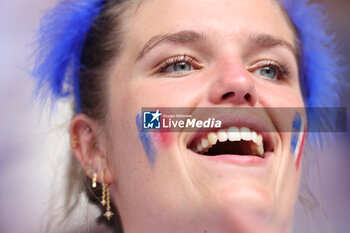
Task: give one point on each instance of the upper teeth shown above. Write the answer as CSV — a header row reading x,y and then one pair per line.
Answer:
x,y
233,134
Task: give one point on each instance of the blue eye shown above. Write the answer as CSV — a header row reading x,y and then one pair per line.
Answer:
x,y
177,65
271,70
268,72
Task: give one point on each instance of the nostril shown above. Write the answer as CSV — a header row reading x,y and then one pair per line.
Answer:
x,y
247,97
228,95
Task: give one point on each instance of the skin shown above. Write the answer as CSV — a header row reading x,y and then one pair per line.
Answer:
x,y
182,192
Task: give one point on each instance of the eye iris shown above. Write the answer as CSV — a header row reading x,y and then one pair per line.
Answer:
x,y
268,72
182,66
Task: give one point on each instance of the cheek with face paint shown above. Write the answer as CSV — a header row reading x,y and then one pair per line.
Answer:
x,y
163,139
298,138
147,141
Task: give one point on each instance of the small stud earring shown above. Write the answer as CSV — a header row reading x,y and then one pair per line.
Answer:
x,y
94,180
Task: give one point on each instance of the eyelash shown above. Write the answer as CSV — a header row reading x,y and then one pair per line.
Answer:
x,y
173,60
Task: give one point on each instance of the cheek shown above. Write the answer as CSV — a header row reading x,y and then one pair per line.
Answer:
x,y
276,95
153,141
163,139
157,89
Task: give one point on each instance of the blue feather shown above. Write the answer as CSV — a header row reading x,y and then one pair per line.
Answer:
x,y
61,37
321,73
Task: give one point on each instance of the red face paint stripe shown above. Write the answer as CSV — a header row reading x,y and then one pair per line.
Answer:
x,y
301,149
163,139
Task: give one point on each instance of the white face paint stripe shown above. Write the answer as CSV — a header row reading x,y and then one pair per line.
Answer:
x,y
300,139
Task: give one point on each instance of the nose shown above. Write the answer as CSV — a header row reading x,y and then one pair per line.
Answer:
x,y
233,85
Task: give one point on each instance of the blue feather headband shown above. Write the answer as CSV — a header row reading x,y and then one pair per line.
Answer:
x,y
64,30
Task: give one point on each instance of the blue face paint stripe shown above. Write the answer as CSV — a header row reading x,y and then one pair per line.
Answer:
x,y
297,135
146,141
296,129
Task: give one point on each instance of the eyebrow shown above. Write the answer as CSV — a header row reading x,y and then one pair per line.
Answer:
x,y
268,41
186,36
189,36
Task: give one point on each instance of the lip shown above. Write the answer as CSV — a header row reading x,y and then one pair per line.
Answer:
x,y
246,160
250,121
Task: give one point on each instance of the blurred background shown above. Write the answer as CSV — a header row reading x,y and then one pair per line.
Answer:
x,y
34,144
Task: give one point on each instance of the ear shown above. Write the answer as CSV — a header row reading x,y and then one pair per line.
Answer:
x,y
89,147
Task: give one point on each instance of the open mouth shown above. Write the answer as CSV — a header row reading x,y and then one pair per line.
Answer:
x,y
233,140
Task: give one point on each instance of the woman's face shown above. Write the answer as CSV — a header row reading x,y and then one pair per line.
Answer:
x,y
199,54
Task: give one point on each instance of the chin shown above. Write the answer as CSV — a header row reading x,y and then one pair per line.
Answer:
x,y
252,204
249,197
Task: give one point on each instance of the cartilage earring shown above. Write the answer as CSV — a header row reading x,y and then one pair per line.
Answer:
x,y
75,141
108,214
103,201
94,180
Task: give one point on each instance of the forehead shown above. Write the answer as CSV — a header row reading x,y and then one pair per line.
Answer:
x,y
220,18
